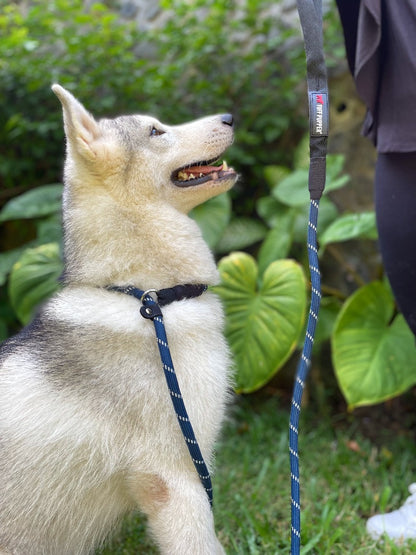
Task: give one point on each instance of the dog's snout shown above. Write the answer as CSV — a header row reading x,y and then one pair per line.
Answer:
x,y
227,119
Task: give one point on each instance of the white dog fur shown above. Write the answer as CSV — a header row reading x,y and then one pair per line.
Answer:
x,y
87,428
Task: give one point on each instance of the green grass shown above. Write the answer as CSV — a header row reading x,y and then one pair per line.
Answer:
x,y
344,480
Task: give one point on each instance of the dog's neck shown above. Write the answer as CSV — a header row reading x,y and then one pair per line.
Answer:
x,y
154,246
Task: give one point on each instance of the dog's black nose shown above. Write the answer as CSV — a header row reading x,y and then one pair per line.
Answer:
x,y
227,119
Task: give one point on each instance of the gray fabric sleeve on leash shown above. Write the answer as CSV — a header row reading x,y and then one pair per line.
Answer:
x,y
310,14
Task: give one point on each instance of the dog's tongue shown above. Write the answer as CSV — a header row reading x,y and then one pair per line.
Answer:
x,y
205,170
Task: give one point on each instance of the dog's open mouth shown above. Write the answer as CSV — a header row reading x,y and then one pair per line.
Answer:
x,y
201,172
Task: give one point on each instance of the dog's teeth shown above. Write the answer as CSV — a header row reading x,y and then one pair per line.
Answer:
x,y
183,176
224,166
191,176
201,175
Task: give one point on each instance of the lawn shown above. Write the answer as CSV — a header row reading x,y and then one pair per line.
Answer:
x,y
345,478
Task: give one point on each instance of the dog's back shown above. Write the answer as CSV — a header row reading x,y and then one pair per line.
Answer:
x,y
87,428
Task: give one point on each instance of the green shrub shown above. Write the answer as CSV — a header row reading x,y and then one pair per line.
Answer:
x,y
192,67
373,352
185,74
264,300
29,273
97,56
91,54
212,56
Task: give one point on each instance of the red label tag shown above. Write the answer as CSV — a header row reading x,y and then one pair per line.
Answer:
x,y
318,114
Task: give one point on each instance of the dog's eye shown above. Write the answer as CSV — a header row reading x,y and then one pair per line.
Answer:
x,y
154,132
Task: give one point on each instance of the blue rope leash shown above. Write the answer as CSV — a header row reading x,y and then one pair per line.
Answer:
x,y
302,373
310,13
176,396
151,310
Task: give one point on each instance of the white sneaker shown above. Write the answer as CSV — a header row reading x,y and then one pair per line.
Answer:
x,y
398,525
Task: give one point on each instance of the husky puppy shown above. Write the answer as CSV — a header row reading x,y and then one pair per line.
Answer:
x,y
87,427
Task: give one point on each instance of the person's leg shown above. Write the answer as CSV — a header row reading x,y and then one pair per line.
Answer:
x,y
395,200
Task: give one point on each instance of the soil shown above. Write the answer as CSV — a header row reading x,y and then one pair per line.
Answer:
x,y
379,423
389,419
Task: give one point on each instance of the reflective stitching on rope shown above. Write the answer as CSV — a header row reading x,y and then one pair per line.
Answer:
x,y
168,368
174,394
184,418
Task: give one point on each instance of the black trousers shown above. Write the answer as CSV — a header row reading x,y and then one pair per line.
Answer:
x,y
395,200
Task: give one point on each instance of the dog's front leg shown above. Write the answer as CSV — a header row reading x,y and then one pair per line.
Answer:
x,y
179,514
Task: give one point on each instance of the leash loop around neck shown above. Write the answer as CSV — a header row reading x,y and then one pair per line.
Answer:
x,y
151,310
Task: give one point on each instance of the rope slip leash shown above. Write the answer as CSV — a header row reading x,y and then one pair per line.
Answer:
x,y
310,14
302,372
150,310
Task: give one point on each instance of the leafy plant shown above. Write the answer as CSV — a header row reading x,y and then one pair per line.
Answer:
x,y
350,226
213,218
221,231
58,42
286,209
43,201
32,269
373,349
240,66
264,324
264,315
34,278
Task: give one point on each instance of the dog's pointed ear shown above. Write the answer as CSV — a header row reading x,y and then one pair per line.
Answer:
x,y
81,129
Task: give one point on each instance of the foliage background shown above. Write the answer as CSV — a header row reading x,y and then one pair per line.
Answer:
x,y
114,68
211,57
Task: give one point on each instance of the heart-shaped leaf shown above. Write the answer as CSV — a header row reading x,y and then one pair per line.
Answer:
x,y
34,278
374,359
263,319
